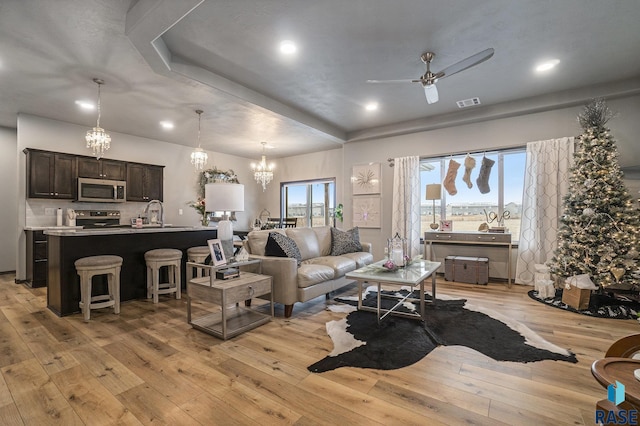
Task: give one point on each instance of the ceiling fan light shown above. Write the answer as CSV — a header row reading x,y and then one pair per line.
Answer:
x,y
431,93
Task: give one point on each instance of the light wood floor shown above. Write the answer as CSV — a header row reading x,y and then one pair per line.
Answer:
x,y
148,366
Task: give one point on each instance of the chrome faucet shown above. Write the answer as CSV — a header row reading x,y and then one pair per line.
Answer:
x,y
159,203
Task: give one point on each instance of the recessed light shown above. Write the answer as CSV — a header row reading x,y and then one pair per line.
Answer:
x,y
167,125
371,106
86,105
287,47
546,66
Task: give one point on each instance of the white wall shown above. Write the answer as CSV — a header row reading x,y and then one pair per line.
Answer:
x,y
8,195
180,178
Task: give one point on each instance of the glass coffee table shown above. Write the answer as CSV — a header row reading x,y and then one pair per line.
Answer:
x,y
413,276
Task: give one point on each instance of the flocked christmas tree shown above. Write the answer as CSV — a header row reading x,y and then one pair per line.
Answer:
x,y
599,230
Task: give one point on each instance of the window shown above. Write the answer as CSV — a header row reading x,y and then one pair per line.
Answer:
x,y
469,208
312,202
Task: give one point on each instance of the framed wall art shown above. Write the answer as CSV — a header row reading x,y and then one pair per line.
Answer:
x,y
365,179
446,225
366,212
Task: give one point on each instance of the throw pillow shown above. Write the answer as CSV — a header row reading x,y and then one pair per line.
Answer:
x,y
282,246
345,241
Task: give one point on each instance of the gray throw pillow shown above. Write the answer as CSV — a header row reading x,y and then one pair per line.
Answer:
x,y
343,242
282,246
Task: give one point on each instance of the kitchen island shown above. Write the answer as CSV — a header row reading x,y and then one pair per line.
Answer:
x,y
65,246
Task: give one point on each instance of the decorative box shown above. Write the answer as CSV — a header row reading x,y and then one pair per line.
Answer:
x,y
577,298
472,270
545,288
228,273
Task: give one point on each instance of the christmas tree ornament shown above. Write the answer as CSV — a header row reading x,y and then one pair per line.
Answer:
x,y
588,211
469,165
617,273
483,176
589,183
450,180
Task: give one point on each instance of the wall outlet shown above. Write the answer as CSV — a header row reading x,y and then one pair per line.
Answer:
x,y
49,211
180,212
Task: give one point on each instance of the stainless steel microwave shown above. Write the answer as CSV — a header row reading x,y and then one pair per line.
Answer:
x,y
102,190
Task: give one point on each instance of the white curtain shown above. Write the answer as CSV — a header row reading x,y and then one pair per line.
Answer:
x,y
545,184
405,216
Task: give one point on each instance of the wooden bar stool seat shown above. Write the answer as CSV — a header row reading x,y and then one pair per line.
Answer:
x,y
87,268
198,255
156,259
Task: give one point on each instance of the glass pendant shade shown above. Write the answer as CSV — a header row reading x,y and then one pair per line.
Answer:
x,y
198,156
262,172
98,140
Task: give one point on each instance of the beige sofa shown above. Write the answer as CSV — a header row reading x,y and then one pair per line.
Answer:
x,y
319,272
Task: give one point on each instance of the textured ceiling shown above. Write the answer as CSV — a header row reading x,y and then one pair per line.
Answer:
x,y
161,60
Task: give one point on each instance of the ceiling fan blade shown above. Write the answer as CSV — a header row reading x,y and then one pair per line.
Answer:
x,y
394,81
466,63
431,92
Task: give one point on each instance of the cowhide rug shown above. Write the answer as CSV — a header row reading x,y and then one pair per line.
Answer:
x,y
399,342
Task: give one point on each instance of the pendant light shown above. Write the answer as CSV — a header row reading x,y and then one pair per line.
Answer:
x,y
262,172
198,156
97,138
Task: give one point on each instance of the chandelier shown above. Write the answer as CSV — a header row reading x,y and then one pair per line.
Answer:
x,y
97,139
262,172
198,156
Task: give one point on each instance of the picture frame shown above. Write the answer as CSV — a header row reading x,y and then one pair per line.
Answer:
x,y
365,179
367,212
446,225
217,253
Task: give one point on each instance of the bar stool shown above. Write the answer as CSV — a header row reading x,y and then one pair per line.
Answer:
x,y
198,255
87,268
156,259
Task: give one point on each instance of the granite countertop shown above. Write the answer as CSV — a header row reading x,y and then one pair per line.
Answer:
x,y
74,232
47,228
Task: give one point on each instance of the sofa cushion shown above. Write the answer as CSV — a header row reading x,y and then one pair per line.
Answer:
x,y
345,241
361,258
310,274
340,264
324,239
306,240
280,245
257,240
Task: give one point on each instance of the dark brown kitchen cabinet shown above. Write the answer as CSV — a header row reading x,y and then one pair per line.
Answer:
x,y
36,259
50,175
101,169
144,182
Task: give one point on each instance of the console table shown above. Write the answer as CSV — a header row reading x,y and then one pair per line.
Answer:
x,y
470,238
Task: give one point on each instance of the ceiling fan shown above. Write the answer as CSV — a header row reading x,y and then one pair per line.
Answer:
x,y
428,80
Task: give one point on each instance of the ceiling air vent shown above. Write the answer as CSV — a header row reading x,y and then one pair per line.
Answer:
x,y
468,102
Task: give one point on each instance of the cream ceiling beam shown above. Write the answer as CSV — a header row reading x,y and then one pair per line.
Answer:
x,y
148,20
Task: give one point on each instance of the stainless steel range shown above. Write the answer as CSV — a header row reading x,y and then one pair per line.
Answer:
x,y
98,218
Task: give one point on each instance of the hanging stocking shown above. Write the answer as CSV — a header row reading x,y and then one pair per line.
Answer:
x,y
450,180
469,164
483,176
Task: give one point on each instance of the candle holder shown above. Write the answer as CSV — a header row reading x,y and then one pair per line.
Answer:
x,y
397,250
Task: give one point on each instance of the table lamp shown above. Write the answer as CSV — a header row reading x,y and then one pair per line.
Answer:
x,y
227,198
434,192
